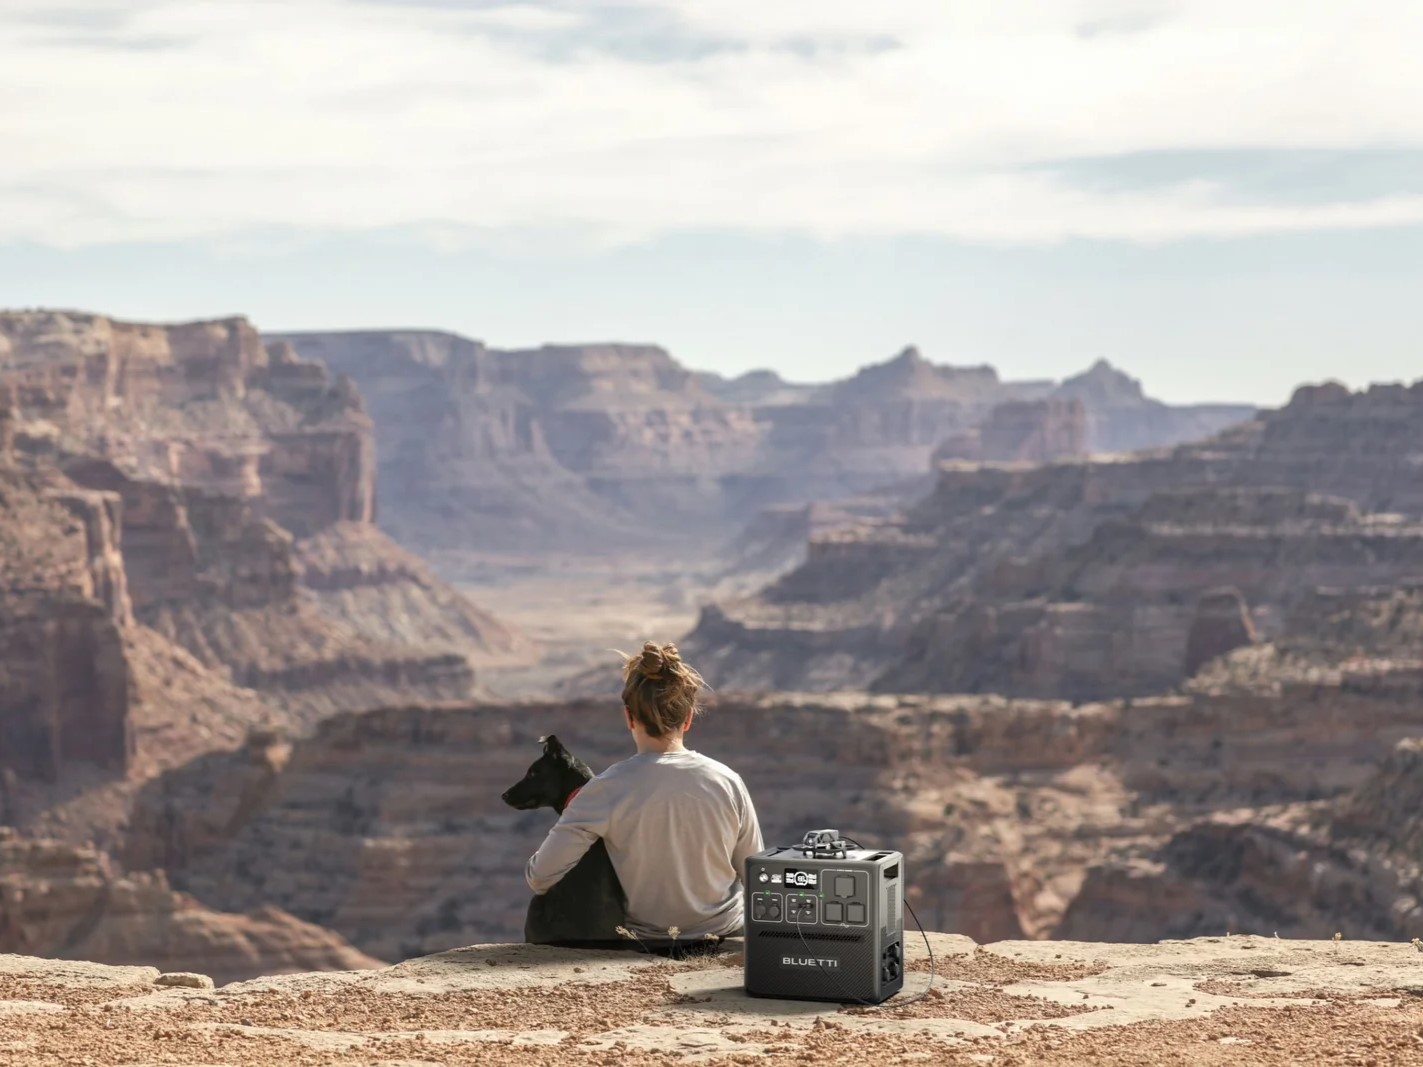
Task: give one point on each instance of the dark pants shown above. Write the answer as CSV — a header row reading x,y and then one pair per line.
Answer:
x,y
662,946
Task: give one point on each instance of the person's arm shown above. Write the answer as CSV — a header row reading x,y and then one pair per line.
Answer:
x,y
582,822
748,841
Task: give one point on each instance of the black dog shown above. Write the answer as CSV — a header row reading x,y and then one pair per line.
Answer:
x,y
587,905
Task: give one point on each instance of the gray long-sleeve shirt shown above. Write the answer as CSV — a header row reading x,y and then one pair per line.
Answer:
x,y
678,827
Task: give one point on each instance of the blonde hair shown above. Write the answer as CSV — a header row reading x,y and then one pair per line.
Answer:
x,y
659,690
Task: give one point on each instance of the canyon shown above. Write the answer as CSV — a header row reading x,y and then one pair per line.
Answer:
x,y
1017,816
225,490
187,552
1102,668
1092,577
598,449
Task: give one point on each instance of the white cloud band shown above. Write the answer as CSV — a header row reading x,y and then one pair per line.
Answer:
x,y
202,119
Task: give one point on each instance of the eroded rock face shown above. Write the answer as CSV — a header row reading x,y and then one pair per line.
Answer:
x,y
218,458
64,684
203,404
1023,431
1345,866
71,902
1005,809
1085,579
1122,418
597,447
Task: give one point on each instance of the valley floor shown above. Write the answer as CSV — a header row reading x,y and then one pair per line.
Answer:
x,y
1241,1001
579,610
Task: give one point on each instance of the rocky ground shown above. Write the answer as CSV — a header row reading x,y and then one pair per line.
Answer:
x,y
1218,1000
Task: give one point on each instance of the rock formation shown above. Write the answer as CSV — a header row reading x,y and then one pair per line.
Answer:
x,y
1005,809
1120,416
63,672
232,468
70,902
1023,431
1085,578
601,448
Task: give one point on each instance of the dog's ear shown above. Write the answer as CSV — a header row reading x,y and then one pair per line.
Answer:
x,y
551,743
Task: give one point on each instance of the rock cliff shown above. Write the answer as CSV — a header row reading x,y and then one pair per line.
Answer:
x,y
69,902
1023,431
202,404
63,673
1088,578
232,468
600,448
1120,417
1004,808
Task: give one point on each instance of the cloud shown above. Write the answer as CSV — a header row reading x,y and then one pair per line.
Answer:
x,y
1000,122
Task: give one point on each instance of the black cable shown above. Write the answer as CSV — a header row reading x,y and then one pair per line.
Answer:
x,y
800,929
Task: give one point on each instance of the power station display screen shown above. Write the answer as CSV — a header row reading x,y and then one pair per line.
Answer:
x,y
806,879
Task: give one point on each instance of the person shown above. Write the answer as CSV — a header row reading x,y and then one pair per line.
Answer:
x,y
678,825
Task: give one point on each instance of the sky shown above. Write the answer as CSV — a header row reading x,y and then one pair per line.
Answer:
x,y
1224,198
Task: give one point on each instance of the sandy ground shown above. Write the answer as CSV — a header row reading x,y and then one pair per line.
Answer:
x,y
1240,1001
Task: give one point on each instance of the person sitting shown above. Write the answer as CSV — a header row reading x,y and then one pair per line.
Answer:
x,y
678,825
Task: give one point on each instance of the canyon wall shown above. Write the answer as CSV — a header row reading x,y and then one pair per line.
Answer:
x,y
599,448
63,901
1093,577
63,604
234,468
387,826
187,554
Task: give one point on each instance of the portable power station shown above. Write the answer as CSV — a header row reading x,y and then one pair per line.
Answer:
x,y
824,921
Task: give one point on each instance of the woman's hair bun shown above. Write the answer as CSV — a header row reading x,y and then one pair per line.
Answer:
x,y
657,660
659,689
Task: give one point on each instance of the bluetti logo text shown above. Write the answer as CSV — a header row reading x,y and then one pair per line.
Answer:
x,y
808,961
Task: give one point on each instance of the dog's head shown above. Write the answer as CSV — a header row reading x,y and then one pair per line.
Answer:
x,y
549,779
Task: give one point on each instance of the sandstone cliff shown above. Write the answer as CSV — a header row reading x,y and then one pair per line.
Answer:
x,y
1023,431
203,404
63,673
601,448
1004,808
233,468
1306,870
1120,417
68,902
1088,578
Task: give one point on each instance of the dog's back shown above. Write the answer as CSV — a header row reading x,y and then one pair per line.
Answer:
x,y
586,905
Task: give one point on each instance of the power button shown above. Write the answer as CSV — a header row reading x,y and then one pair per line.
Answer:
x,y
763,877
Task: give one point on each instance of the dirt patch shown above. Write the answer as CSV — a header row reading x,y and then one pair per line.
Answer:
x,y
1225,987
981,1005
989,968
576,1008
71,996
92,1035
1340,1032
1336,1033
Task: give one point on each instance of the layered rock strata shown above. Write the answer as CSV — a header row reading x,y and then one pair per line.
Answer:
x,y
69,902
601,448
231,465
1088,578
387,826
